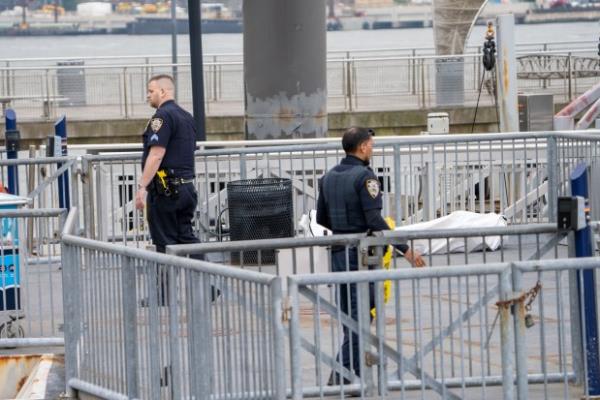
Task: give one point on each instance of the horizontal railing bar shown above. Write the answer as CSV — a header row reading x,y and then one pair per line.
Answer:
x,y
416,57
175,261
95,390
31,342
427,48
416,384
379,275
351,239
32,212
265,244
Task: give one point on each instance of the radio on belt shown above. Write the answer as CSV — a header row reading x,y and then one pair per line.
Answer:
x,y
571,213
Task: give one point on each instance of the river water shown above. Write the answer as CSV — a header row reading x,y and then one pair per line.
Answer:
x,y
119,45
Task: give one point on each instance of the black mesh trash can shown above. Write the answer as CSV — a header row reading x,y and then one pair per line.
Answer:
x,y
260,209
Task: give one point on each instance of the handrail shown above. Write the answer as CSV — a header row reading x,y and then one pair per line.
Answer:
x,y
565,52
340,240
208,55
167,259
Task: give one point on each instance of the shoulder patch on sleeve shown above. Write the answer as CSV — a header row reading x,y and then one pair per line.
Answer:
x,y
155,124
372,187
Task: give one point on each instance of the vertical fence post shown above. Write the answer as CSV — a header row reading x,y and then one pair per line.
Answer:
x,y
519,329
278,347
587,299
125,92
12,140
88,197
60,131
71,300
569,77
128,293
423,83
506,338
348,81
364,319
295,346
175,371
397,186
413,75
551,161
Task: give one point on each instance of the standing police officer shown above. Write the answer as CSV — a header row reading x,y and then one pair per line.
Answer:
x,y
168,168
168,174
350,201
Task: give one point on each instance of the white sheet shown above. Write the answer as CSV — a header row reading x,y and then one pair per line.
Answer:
x,y
455,220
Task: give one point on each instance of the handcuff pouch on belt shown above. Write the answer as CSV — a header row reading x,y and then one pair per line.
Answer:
x,y
163,184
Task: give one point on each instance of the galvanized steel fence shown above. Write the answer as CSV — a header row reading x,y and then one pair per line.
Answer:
x,y
422,178
31,311
446,331
146,325
362,83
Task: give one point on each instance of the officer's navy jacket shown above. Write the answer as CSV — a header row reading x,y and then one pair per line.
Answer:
x,y
174,129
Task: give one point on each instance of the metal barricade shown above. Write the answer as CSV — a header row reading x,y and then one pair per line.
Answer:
x,y
30,277
440,335
147,325
357,80
422,178
443,319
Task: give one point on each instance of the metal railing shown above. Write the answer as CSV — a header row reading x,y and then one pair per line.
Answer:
x,y
331,54
353,84
435,336
422,178
448,323
147,325
447,330
31,312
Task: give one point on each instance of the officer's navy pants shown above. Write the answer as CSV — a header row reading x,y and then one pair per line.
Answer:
x,y
170,217
170,222
348,304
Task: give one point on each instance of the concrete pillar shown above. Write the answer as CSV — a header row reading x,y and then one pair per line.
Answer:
x,y
285,69
506,66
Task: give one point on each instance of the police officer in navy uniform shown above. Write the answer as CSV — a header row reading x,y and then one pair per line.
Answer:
x,y
168,168
350,201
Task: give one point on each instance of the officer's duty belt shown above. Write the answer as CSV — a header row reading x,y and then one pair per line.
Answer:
x,y
180,181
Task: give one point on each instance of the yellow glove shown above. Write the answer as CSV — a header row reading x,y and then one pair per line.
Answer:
x,y
387,262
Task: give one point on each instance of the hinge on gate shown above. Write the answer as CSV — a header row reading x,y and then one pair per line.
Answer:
x,y
286,310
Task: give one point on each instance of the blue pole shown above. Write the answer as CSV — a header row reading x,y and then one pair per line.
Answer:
x,y
583,248
10,118
60,130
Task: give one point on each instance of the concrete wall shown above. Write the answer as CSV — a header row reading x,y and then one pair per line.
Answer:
x,y
408,122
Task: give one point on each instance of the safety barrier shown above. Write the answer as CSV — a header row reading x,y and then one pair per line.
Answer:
x,y
439,335
144,324
372,82
147,325
42,180
31,312
422,178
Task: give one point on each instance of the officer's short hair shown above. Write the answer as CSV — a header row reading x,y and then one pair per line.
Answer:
x,y
354,137
161,77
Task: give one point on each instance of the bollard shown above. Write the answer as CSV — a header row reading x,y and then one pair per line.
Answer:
x,y
583,248
60,131
12,142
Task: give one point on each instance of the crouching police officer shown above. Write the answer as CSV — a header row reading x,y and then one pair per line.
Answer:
x,y
350,201
168,170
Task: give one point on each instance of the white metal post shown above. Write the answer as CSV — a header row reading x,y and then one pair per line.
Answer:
x,y
506,76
